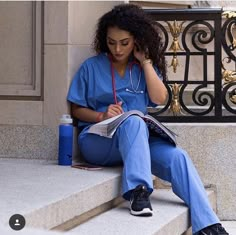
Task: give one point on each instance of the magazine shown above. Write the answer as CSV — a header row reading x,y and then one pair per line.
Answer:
x,y
108,127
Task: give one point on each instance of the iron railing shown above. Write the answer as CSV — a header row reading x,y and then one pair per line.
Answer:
x,y
200,47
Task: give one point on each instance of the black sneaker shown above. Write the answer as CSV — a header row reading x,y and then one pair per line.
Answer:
x,y
139,202
215,229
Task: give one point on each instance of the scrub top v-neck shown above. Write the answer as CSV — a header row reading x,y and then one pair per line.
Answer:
x,y
91,87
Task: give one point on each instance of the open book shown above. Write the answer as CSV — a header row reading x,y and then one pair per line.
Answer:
x,y
108,127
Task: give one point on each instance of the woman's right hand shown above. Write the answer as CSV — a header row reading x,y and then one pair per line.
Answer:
x,y
113,110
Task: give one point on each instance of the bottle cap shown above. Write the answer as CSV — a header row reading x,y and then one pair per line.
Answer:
x,y
66,118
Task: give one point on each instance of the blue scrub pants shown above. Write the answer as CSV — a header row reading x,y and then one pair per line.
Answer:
x,y
143,156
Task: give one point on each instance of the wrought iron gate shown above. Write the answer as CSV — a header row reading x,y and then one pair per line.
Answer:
x,y
204,38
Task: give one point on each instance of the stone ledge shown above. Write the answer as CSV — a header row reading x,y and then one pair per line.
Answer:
x,y
212,148
28,141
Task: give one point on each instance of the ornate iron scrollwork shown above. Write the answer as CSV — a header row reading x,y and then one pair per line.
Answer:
x,y
232,96
229,75
206,88
202,35
228,38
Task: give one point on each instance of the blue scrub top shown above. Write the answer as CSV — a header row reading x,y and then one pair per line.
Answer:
x,y
91,86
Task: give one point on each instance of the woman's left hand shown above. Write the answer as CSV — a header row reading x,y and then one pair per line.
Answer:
x,y
139,54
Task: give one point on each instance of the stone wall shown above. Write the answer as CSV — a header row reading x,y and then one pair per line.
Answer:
x,y
212,149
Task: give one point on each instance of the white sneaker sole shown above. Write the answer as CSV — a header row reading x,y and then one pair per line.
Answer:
x,y
144,212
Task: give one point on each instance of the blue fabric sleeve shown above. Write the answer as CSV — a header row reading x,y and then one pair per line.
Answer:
x,y
78,88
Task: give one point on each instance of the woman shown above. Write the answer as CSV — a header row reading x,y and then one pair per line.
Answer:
x,y
127,74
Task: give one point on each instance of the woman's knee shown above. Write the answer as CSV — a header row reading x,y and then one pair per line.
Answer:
x,y
180,156
134,122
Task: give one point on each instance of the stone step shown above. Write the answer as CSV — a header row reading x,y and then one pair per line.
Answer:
x,y
60,197
48,195
171,217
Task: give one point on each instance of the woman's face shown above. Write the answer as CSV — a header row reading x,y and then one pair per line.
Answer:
x,y
120,43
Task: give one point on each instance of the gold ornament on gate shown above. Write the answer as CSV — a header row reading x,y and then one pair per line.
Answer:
x,y
174,63
175,105
175,30
229,14
228,76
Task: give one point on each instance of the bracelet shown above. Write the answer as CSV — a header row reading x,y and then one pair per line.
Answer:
x,y
146,61
99,116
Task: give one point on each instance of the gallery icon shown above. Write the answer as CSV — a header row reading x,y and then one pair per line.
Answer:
x,y
17,222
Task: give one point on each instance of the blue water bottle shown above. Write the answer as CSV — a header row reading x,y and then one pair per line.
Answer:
x,y
65,140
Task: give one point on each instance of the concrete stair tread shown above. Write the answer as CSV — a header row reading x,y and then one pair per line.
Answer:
x,y
167,208
47,195
171,216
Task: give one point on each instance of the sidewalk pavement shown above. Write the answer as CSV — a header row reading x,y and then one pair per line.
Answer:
x,y
230,226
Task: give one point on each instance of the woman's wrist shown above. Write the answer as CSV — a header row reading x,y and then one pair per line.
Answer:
x,y
99,117
146,61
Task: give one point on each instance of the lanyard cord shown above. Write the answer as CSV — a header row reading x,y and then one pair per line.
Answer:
x,y
113,82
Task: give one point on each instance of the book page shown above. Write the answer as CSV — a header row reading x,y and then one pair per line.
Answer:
x,y
108,127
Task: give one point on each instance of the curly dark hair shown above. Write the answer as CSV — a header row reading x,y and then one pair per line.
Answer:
x,y
137,22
